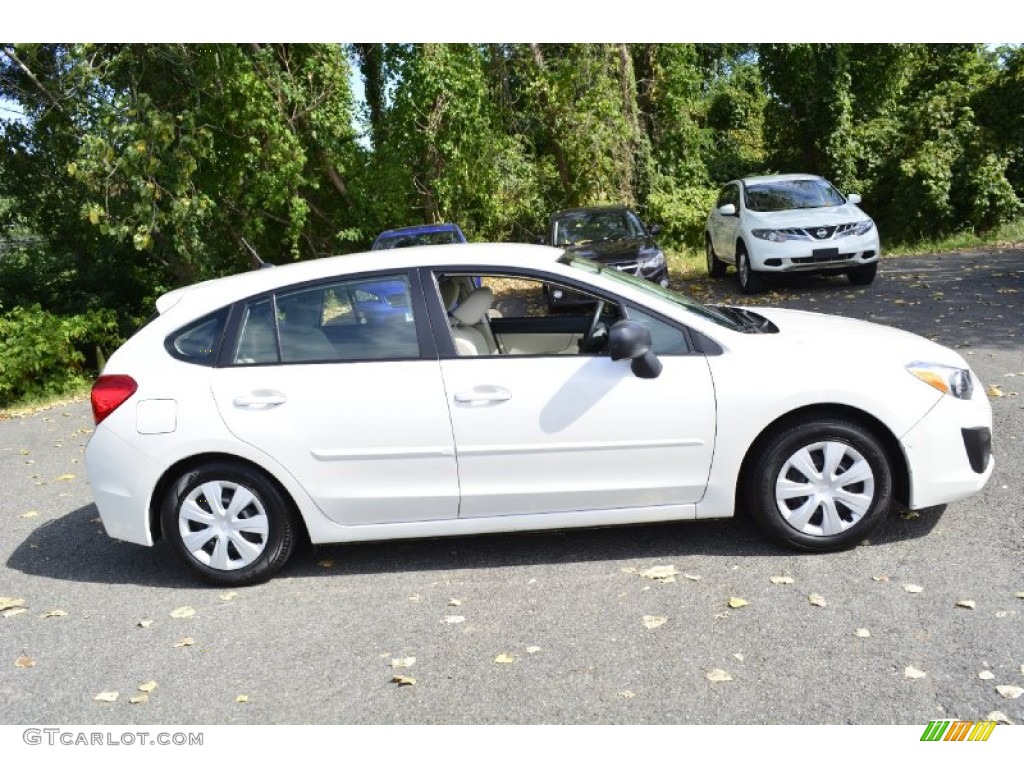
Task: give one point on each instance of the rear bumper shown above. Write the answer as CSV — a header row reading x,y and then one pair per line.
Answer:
x,y
122,497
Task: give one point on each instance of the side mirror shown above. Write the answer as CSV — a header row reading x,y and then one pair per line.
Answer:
x,y
854,199
630,340
728,210
655,229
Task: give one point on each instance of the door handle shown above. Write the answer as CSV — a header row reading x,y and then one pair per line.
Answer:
x,y
260,398
483,394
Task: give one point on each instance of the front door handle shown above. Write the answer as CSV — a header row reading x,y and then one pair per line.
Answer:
x,y
483,394
260,399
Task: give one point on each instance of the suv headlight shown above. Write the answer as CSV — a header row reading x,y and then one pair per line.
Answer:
x,y
862,227
652,260
945,378
775,235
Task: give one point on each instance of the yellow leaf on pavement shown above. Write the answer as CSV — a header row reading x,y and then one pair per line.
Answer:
x,y
504,658
107,697
738,602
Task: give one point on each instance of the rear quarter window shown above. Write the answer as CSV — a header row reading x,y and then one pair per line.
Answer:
x,y
199,341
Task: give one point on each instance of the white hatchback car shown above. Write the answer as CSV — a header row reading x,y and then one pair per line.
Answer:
x,y
789,223
278,404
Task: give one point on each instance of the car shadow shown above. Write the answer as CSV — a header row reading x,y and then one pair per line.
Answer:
x,y
75,548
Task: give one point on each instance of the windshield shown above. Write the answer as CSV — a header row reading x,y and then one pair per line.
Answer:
x,y
407,240
580,227
716,315
791,195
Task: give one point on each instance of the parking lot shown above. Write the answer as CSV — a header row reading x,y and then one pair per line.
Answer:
x,y
689,623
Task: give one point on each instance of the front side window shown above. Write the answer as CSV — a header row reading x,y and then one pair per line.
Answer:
x,y
361,319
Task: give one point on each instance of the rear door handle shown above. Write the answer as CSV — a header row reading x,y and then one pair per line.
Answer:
x,y
483,394
260,399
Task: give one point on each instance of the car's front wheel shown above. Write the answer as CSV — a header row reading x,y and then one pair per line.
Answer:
x,y
864,274
716,267
228,523
820,485
751,281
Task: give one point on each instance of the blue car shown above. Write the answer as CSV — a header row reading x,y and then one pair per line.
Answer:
x,y
423,234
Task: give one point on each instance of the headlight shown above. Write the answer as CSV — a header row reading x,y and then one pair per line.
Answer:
x,y
863,226
945,378
775,235
652,261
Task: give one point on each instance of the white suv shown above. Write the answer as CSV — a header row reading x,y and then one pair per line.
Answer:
x,y
789,223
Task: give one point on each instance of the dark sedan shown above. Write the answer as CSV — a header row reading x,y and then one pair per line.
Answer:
x,y
612,235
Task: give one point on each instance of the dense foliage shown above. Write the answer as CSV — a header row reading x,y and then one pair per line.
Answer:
x,y
139,167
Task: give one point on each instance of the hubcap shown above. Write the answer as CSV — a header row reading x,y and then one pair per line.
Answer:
x,y
824,489
223,525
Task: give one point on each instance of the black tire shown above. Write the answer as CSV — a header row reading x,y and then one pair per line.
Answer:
x,y
864,274
816,520
716,267
751,281
259,530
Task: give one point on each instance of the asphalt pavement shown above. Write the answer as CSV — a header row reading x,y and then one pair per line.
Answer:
x,y
924,622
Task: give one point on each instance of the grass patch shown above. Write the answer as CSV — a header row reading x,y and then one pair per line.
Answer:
x,y
1009,235
30,405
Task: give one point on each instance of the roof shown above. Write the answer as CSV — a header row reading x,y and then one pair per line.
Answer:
x,y
226,290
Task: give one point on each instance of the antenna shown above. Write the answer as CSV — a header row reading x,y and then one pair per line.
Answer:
x,y
260,263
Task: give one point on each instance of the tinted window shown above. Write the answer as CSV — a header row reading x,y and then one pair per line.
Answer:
x,y
198,342
367,319
792,195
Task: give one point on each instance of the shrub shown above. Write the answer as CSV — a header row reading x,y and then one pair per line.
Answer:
x,y
42,354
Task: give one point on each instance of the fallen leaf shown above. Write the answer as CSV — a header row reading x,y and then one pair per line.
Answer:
x,y
781,579
145,623
184,612
914,673
148,687
533,649
910,514
863,632
627,694
986,674
738,602
1018,594
403,663
106,696
14,612
738,656
414,598
403,680
999,717
30,513
816,599
663,573
1010,691
692,577
912,588
1001,614
184,642
965,604
226,596
718,676
326,563
880,577
454,603
24,662
142,698
241,699
653,622
504,658
454,619
53,614
994,391
66,477
10,602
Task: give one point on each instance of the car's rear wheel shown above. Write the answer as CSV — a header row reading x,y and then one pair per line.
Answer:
x,y
228,524
751,281
864,274
820,485
716,267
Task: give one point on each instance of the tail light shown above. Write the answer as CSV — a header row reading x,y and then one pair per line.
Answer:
x,y
109,393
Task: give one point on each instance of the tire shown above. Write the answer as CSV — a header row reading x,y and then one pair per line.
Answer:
x,y
791,498
716,267
864,274
751,281
258,532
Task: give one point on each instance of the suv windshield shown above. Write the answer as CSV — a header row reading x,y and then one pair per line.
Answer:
x,y
791,195
716,315
579,227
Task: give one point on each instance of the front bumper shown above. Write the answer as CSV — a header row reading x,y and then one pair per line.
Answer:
x,y
948,451
813,255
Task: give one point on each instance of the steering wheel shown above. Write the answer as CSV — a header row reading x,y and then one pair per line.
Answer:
x,y
597,334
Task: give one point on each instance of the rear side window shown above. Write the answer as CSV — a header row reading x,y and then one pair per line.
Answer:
x,y
199,341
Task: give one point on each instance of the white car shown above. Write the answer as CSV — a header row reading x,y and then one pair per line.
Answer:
x,y
789,223
266,407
